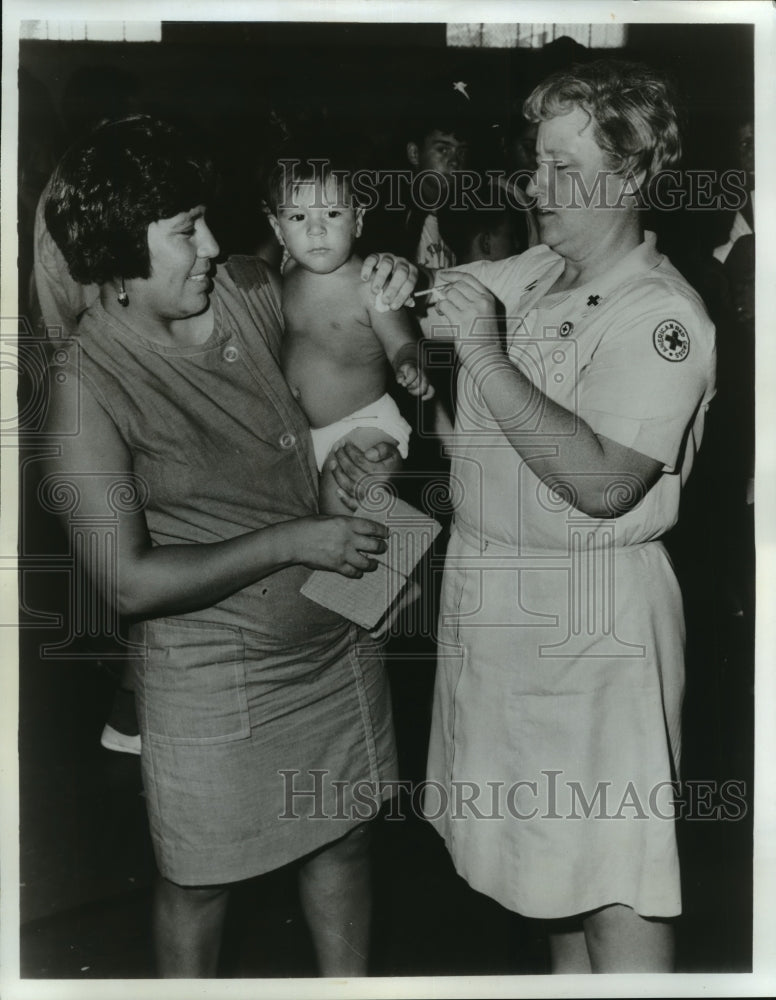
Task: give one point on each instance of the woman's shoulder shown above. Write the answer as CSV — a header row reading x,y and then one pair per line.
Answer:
x,y
248,273
251,279
658,310
94,340
249,289
81,378
664,288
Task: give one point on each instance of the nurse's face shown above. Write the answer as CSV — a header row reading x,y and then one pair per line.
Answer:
x,y
573,184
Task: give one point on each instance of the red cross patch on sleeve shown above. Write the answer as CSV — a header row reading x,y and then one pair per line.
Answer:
x,y
671,340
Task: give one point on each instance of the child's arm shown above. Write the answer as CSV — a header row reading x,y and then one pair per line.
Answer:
x,y
395,332
409,374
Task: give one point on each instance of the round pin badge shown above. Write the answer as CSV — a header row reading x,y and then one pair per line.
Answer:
x,y
671,340
566,328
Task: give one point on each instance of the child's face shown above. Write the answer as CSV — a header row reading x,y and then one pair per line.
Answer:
x,y
318,225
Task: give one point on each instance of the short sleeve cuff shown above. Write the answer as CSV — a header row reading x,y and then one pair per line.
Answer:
x,y
660,439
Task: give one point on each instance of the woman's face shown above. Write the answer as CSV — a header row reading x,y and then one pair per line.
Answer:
x,y
181,250
573,185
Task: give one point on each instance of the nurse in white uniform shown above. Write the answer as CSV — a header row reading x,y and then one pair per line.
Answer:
x,y
556,728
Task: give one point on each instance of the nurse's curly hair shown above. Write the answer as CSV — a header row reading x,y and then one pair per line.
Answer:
x,y
112,184
632,108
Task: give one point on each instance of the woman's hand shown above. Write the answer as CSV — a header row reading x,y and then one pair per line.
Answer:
x,y
355,469
471,310
393,280
342,544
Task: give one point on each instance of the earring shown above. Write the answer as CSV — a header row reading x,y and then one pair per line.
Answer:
x,y
122,295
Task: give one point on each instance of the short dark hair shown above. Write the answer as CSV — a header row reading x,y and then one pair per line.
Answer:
x,y
293,169
633,109
447,118
112,184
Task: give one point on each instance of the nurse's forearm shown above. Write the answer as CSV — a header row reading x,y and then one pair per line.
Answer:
x,y
560,448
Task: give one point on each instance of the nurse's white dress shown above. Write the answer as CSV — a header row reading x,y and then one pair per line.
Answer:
x,y
556,726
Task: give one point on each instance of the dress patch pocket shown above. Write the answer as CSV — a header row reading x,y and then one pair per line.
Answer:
x,y
192,689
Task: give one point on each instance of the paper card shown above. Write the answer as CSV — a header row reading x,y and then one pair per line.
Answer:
x,y
366,600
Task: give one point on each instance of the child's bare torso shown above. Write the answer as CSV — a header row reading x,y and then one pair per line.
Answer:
x,y
332,358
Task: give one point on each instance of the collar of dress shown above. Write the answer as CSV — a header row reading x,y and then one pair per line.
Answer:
x,y
642,258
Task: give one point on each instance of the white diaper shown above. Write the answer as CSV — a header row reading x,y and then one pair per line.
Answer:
x,y
383,414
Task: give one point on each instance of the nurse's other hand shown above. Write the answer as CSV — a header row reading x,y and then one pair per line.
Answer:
x,y
392,279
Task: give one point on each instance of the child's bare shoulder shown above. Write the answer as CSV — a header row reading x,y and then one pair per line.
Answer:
x,y
296,283
351,271
349,286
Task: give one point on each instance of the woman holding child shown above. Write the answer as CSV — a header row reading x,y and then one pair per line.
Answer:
x,y
191,444
556,727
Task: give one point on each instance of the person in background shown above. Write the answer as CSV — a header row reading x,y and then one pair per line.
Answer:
x,y
492,232
733,473
438,149
92,94
40,145
743,220
57,302
730,457
438,144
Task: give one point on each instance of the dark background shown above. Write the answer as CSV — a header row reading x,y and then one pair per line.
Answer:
x,y
86,863
225,79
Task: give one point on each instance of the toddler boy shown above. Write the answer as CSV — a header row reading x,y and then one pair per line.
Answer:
x,y
339,336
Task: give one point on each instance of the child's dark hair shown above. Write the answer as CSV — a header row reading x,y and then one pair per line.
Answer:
x,y
446,121
112,184
296,166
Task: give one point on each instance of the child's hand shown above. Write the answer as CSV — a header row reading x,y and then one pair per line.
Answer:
x,y
414,380
392,279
